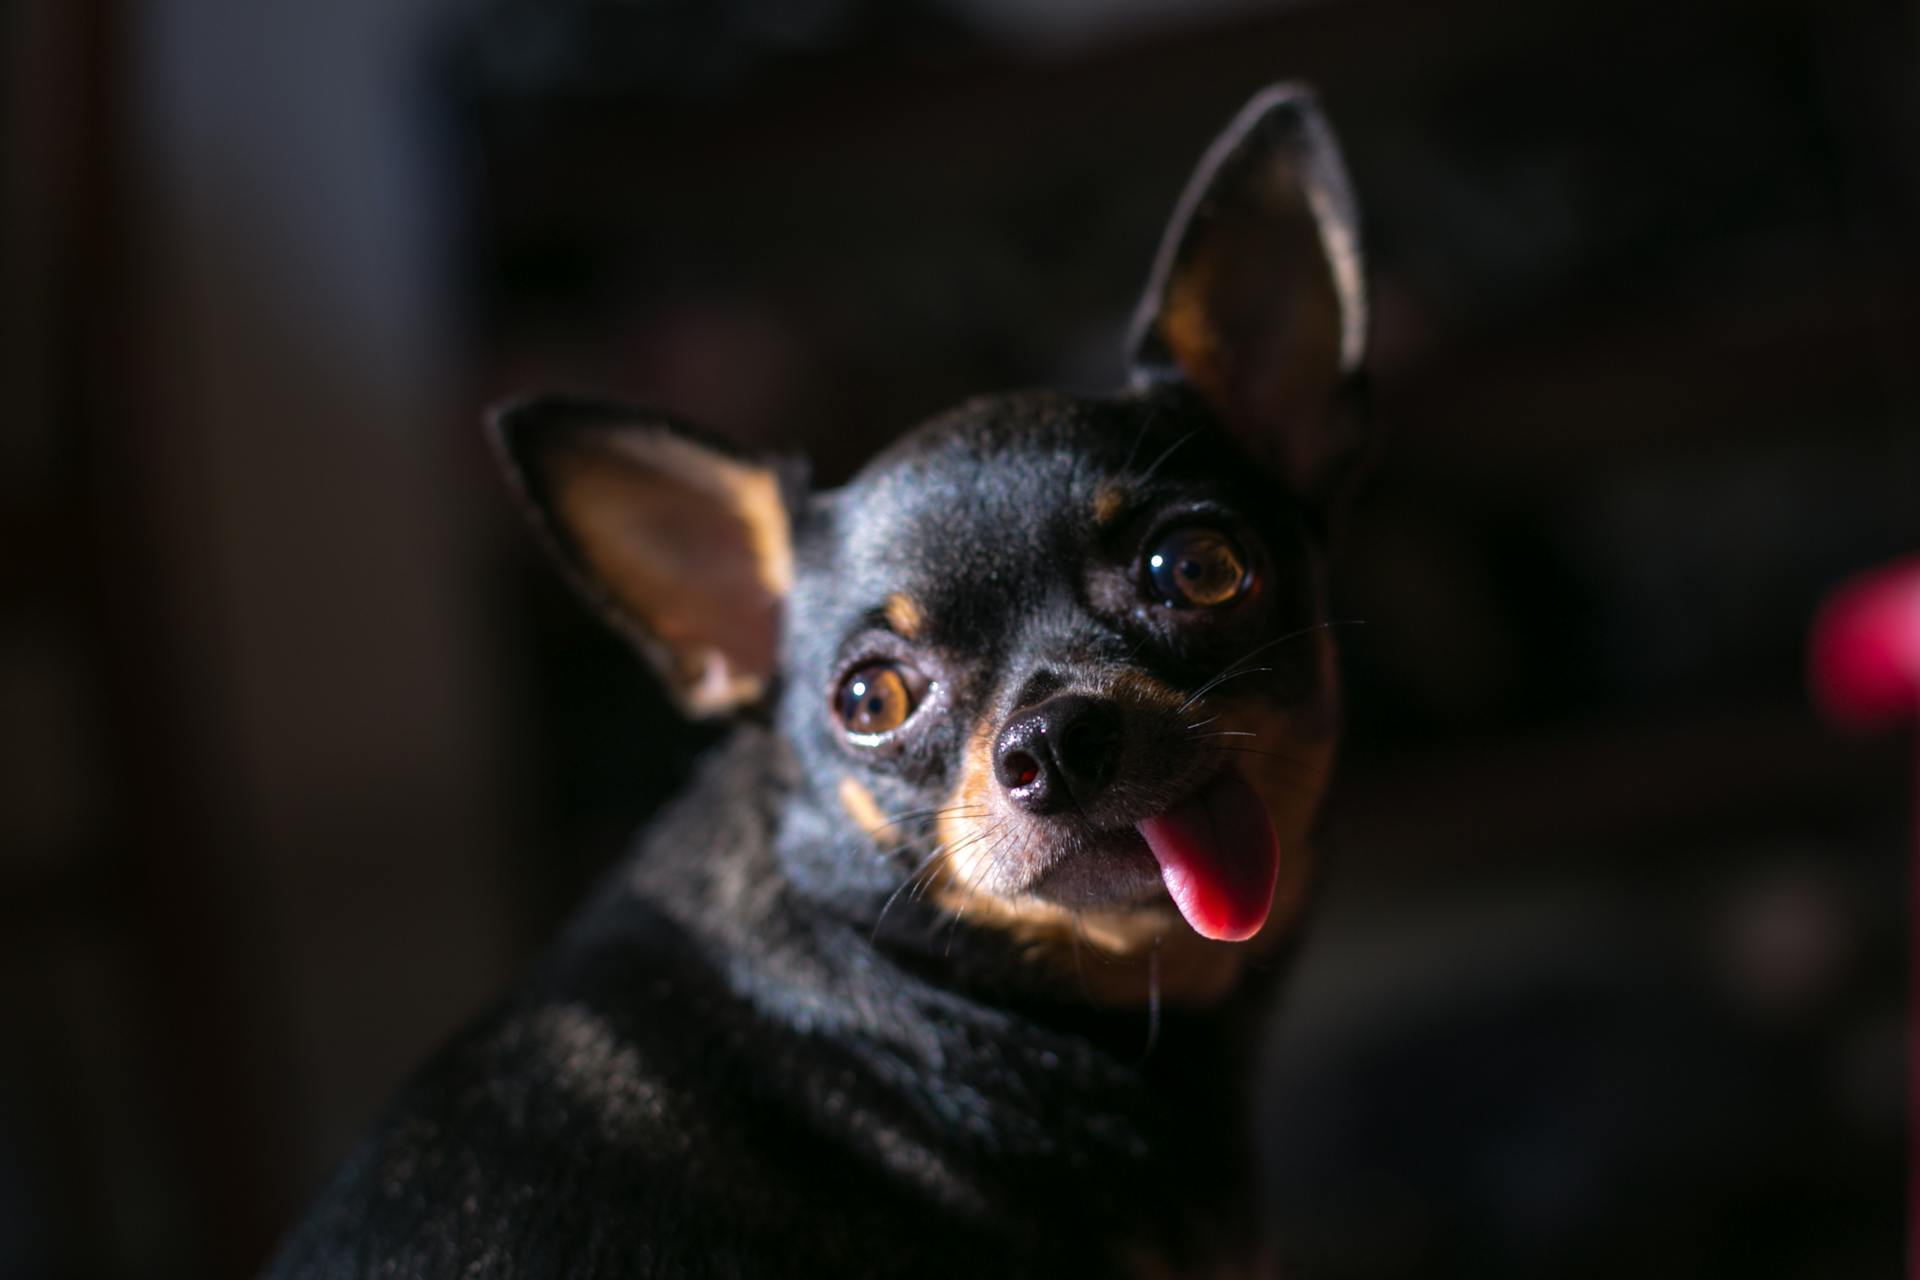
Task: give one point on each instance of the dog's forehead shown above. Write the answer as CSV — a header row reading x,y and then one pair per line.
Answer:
x,y
995,497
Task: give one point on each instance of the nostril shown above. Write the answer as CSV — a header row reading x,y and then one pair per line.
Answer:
x,y
1087,748
1064,751
1088,751
1016,756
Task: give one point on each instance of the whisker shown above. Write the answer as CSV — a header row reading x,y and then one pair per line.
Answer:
x,y
994,832
1216,682
909,845
916,815
916,873
1303,780
1305,766
1168,453
973,886
917,882
1257,650
1140,437
1076,937
985,864
912,841
952,852
1153,1000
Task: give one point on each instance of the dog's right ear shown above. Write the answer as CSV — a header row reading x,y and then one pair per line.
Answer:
x,y
684,544
1257,300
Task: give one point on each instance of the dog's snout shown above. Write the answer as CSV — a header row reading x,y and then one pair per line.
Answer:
x,y
1060,753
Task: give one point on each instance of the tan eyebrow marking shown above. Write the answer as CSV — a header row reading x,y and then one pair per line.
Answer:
x,y
904,615
1107,504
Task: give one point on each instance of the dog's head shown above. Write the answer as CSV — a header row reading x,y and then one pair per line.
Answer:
x,y
1056,666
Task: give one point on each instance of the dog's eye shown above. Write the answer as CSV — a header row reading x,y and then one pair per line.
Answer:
x,y
1197,568
874,699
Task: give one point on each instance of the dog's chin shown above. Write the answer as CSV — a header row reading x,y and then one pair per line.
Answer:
x,y
1105,872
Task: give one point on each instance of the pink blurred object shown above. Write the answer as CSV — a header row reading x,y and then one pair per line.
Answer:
x,y
1865,665
1866,648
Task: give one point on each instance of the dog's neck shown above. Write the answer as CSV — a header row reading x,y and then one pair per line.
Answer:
x,y
1013,1091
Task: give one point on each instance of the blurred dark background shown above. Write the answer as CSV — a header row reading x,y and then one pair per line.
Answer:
x,y
303,752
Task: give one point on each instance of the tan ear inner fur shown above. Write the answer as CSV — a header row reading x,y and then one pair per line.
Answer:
x,y
690,545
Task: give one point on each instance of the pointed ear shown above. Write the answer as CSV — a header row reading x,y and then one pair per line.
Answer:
x,y
683,544
1257,298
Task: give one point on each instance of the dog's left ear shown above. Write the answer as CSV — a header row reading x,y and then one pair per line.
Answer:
x,y
684,545
1257,297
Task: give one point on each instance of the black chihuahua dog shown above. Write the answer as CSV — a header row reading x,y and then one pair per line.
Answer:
x,y
1032,720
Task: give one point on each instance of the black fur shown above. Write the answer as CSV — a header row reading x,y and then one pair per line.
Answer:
x,y
753,1054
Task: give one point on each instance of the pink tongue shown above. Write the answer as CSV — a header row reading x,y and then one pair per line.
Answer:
x,y
1219,856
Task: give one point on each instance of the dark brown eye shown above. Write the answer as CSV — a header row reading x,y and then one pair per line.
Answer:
x,y
874,699
1197,568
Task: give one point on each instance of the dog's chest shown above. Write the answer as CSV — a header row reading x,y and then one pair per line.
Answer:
x,y
812,1076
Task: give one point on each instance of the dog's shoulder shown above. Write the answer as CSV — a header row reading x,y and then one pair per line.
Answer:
x,y
643,1105
540,1135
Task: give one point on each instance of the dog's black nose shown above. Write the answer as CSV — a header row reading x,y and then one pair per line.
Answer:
x,y
1059,753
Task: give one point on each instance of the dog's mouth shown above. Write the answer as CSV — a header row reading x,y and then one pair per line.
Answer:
x,y
1215,854
1219,857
